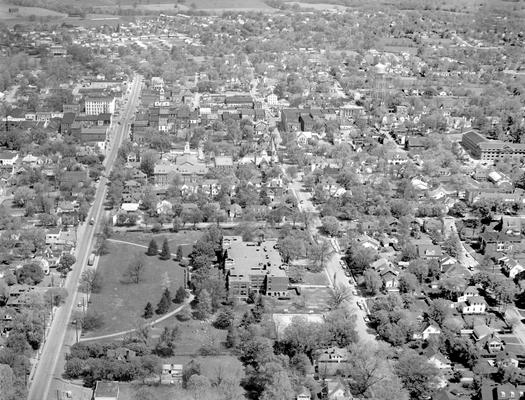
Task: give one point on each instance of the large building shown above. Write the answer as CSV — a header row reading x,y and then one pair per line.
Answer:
x,y
96,105
254,267
485,149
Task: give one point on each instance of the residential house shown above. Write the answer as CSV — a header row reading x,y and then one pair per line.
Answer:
x,y
132,191
8,159
511,225
429,251
470,291
502,392
390,279
491,343
493,242
171,374
427,330
473,305
304,394
337,390
331,361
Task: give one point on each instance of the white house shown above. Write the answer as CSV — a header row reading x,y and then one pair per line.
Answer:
x,y
8,158
427,331
439,361
474,305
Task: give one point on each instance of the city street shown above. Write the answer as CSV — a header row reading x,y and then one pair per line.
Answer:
x,y
61,335
334,268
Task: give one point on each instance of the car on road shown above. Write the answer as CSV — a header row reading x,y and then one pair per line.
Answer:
x,y
92,221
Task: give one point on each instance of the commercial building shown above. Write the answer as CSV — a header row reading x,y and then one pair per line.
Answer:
x,y
254,267
96,105
485,149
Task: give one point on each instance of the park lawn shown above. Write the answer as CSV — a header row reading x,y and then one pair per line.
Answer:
x,y
186,238
121,303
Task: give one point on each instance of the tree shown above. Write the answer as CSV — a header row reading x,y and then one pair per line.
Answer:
x,y
439,310
22,196
338,296
90,281
204,307
408,283
373,282
166,344
30,274
452,245
365,367
358,258
341,327
148,311
504,291
319,253
153,250
165,253
164,303
147,162
67,261
417,375
291,248
279,387
331,225
7,382
145,393
180,295
135,270
55,296
92,320
224,320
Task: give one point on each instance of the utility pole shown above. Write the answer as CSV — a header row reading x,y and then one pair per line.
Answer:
x,y
76,328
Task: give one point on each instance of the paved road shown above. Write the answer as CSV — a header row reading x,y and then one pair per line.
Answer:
x,y
334,269
60,335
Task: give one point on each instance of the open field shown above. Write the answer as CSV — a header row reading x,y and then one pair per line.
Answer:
x,y
24,12
121,303
206,5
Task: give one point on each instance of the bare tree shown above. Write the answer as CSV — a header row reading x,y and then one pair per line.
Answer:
x,y
90,281
338,296
366,366
319,253
135,270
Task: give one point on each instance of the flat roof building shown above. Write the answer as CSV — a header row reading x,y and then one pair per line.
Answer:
x,y
254,267
485,149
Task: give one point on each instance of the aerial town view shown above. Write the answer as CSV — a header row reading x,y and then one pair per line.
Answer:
x,y
262,199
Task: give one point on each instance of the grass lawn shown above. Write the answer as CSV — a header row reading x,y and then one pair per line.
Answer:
x,y
193,335
185,238
122,304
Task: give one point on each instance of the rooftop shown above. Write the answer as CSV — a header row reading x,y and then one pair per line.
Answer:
x,y
249,258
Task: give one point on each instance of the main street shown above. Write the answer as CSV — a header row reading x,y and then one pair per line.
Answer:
x,y
61,335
